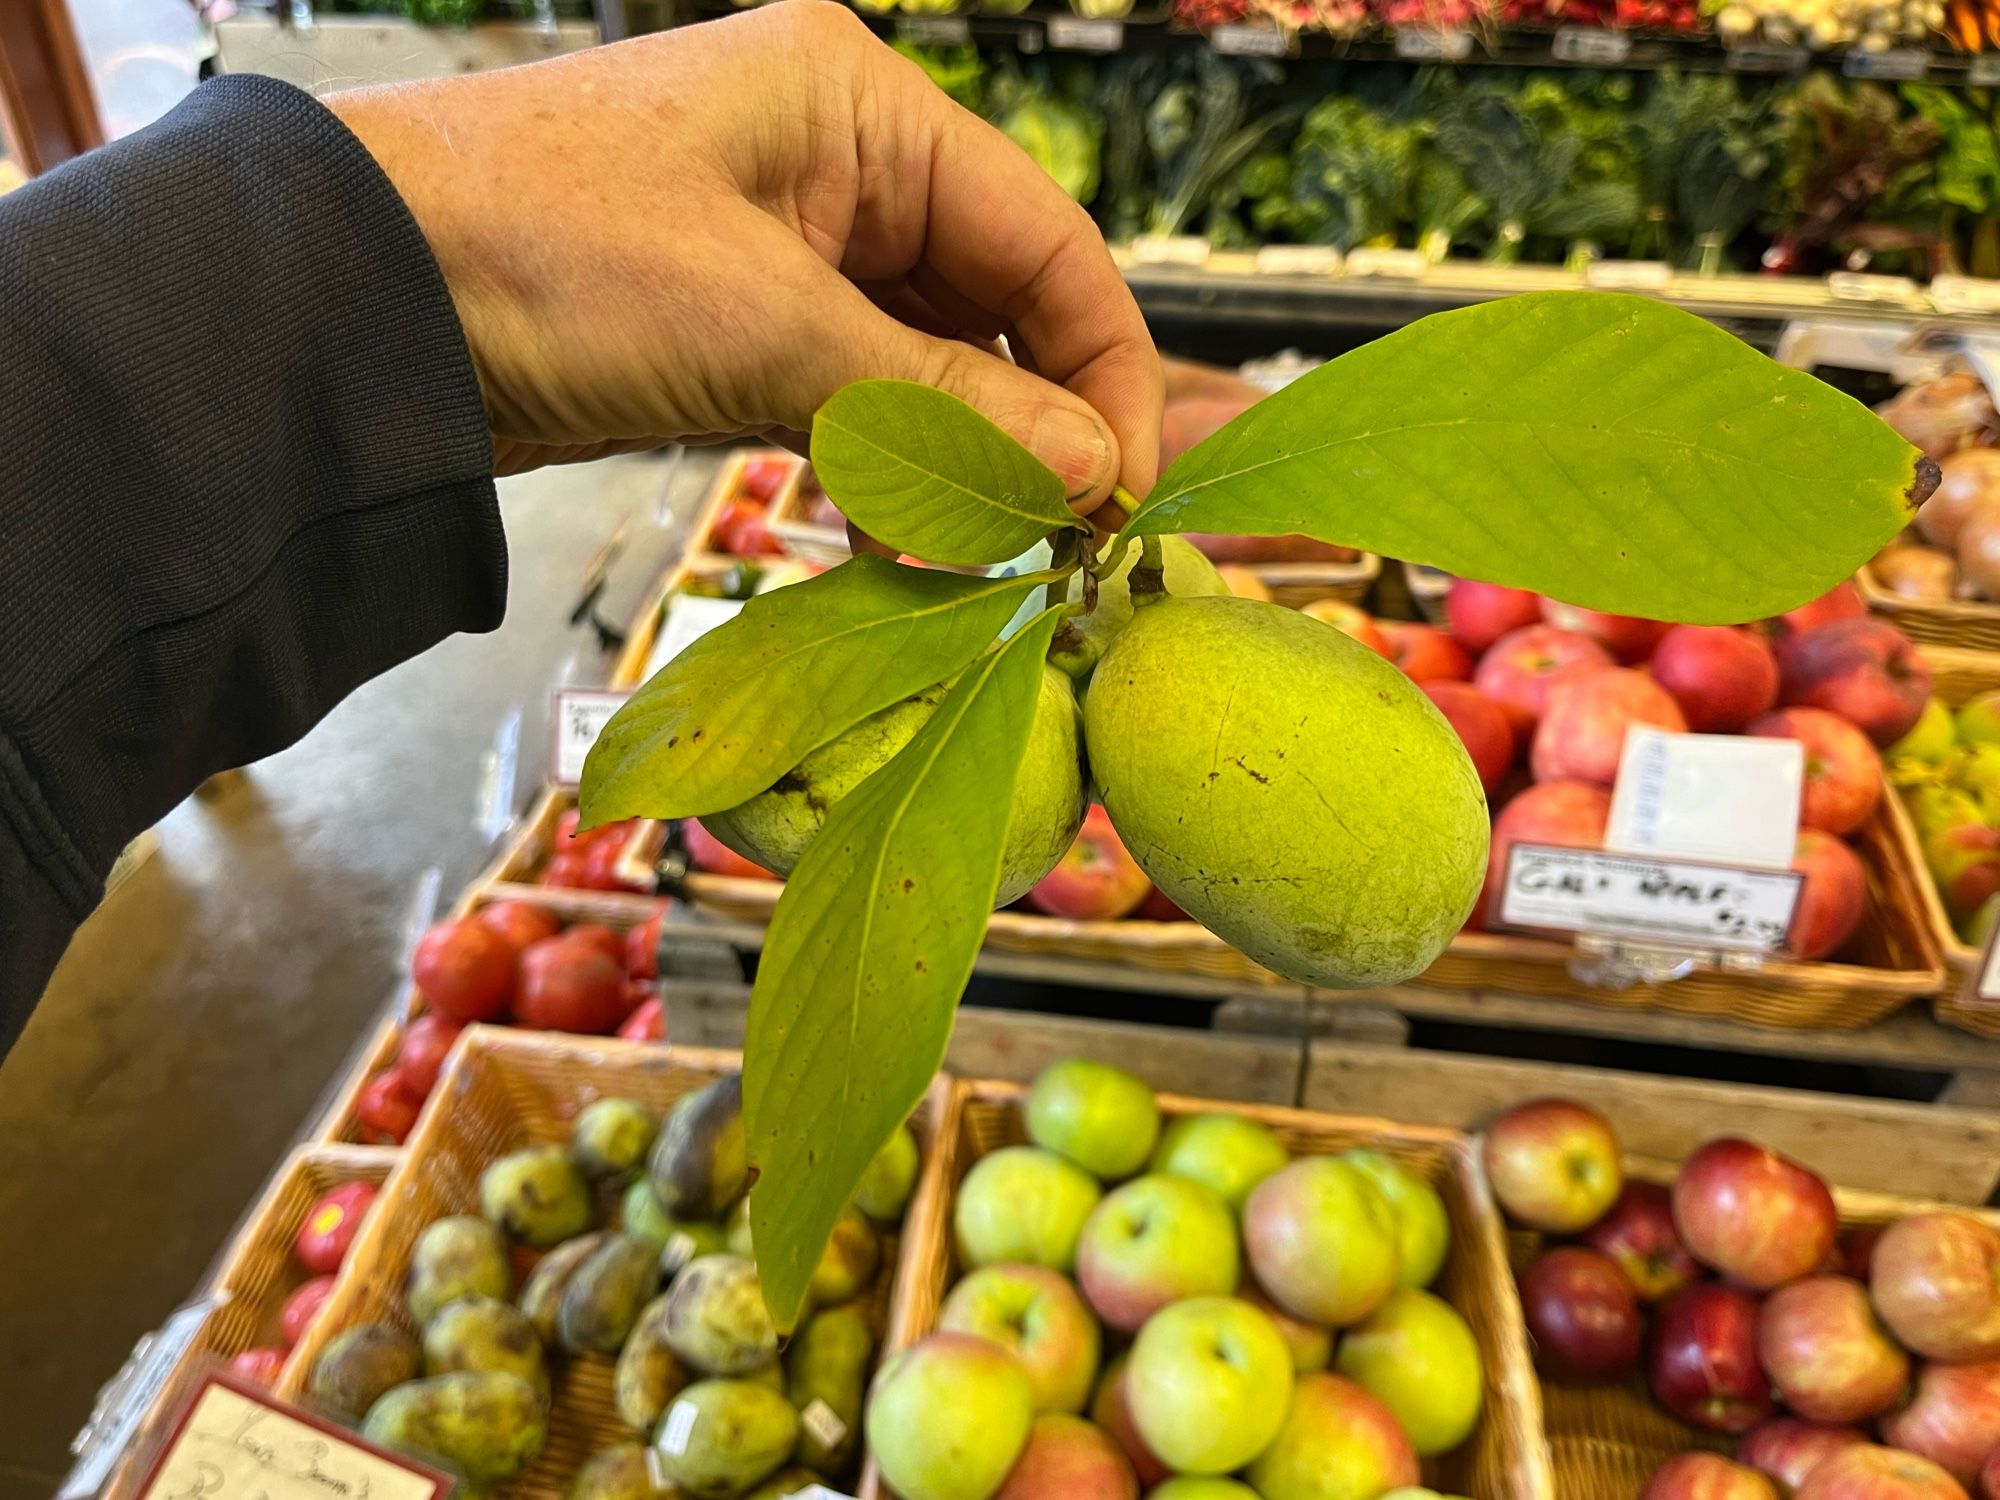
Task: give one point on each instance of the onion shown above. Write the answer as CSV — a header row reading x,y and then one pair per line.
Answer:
x,y
1969,479
1916,572
1979,551
1943,415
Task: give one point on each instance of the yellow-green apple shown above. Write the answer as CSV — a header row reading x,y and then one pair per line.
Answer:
x,y
1787,1449
1703,1364
1566,814
1479,724
1228,1153
1193,1487
1207,1383
1423,1230
1706,1476
1626,637
1153,1241
1833,897
1978,720
1638,1235
1111,1409
1068,1459
1416,1356
1583,1315
1554,1164
948,1417
1480,613
1953,1417
1825,1352
1867,671
1965,862
1867,1472
1100,1117
1350,619
1322,1240
1096,879
1022,1203
1311,1345
1932,737
1582,732
1036,1313
1721,676
1935,1278
1759,1218
1337,1443
1843,773
1522,665
1423,652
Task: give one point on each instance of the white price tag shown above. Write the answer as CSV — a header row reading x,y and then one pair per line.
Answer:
x,y
823,1422
1985,986
1983,72
1434,46
576,718
1592,46
234,1445
1892,64
1083,34
1651,900
1767,57
1628,275
1965,293
1863,286
1406,265
1170,250
678,1428
689,618
1726,797
1238,40
934,31
1298,260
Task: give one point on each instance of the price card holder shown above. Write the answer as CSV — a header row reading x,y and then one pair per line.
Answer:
x,y
1590,46
1084,34
1401,265
1692,905
1732,799
934,31
1768,57
1864,286
1170,250
576,718
1433,46
1891,65
1983,72
1628,275
1239,40
1965,294
1298,260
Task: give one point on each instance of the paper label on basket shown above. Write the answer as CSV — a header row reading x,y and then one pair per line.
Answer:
x,y
1671,901
576,718
233,1443
823,1422
1981,990
1726,797
678,1428
689,617
1591,46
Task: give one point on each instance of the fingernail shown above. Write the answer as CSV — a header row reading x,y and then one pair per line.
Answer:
x,y
1075,447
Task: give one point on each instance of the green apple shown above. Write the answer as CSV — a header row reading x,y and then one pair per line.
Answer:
x,y
1337,1442
1024,1204
948,1417
1311,1346
1189,1487
1068,1459
1979,721
1423,1230
1227,1152
1930,739
1207,1382
1416,1355
1322,1240
1100,1117
1153,1241
1037,1314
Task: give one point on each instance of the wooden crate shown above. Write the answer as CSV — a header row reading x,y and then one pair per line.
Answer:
x,y
504,1090
1506,1459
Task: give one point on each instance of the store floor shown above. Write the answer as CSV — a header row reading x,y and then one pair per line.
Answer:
x,y
201,1012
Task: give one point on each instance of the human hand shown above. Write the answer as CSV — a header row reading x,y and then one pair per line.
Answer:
x,y
706,233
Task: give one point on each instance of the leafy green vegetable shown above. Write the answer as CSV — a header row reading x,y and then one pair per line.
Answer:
x,y
1060,131
959,71
1352,167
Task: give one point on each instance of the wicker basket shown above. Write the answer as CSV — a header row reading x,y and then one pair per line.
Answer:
x,y
501,1091
1506,1459
1964,624
804,537
1296,584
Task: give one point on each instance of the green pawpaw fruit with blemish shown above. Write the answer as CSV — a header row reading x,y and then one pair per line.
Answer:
x,y
537,1196
1288,788
457,1257
1082,640
542,1292
775,826
486,1424
484,1333
700,1164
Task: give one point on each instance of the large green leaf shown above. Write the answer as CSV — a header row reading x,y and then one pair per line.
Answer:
x,y
926,474
868,952
1605,449
748,701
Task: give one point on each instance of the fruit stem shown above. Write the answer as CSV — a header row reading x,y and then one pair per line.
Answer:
x,y
1063,554
1149,575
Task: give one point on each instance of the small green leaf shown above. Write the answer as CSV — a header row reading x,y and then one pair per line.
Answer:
x,y
868,952
924,473
751,699
1608,450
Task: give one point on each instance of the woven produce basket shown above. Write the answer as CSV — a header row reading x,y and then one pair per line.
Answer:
x,y
1295,584
1506,1459
501,1091
803,536
1966,624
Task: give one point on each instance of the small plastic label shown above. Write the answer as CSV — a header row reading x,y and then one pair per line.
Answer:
x,y
1405,265
1965,293
1628,275
1893,64
823,1422
1767,57
577,718
1984,72
678,1428
1238,40
934,31
1170,250
1659,901
1731,798
1434,46
1864,286
1298,260
1591,46
1083,34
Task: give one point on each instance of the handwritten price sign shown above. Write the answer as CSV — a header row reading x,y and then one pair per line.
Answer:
x,y
1674,901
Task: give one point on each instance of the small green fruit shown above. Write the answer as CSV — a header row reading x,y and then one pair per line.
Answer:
x,y
484,1333
1100,1117
1423,1229
1930,739
1227,1152
1416,1356
891,1177
537,1196
699,1164
720,1437
1979,720
611,1138
456,1257
486,1424
1022,1203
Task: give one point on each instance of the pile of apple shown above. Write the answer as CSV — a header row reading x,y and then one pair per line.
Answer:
x,y
1224,1310
320,1249
741,525
512,963
588,859
1863,1366
1948,772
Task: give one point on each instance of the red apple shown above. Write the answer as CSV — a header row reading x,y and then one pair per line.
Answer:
x,y
1111,1409
1833,899
1866,1472
1935,1278
297,1315
1480,725
1843,772
1722,677
1638,1235
420,1055
1069,1459
1787,1449
464,970
1706,1476
646,1023
1867,671
1989,1477
1952,1419
1424,652
1582,732
1757,1217
518,922
1517,671
1582,1315
1565,814
1096,880
1480,613
568,984
1703,1366
711,856
1831,1361
331,1224
1842,602
1350,620
1553,1164
261,1366
1627,638
642,948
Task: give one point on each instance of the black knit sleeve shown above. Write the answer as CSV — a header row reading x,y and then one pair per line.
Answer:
x,y
244,467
